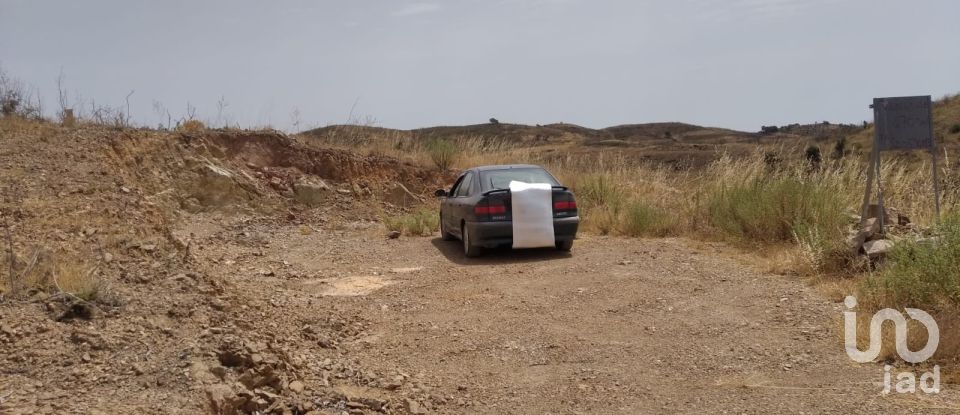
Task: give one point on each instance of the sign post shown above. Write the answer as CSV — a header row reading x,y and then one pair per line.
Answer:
x,y
900,123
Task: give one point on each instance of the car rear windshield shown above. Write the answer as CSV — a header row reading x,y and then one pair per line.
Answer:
x,y
500,179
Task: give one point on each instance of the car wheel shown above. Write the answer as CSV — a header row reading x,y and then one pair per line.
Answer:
x,y
469,249
565,245
446,236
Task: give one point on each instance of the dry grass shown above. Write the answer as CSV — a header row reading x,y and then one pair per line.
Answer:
x,y
57,274
423,222
191,126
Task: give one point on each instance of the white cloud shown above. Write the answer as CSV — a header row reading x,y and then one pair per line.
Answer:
x,y
414,9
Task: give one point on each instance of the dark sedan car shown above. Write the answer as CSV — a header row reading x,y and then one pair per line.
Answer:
x,y
477,209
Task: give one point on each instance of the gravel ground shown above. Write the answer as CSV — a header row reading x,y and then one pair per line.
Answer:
x,y
618,326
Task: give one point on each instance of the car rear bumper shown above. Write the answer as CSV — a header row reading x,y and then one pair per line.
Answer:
x,y
492,234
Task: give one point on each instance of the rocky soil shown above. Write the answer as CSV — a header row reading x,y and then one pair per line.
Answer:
x,y
242,272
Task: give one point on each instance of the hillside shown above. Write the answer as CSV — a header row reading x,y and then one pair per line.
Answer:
x,y
673,143
127,249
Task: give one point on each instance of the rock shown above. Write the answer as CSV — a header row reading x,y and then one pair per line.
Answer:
x,y
296,386
903,220
216,186
393,234
222,400
877,248
413,407
218,304
310,191
373,403
107,257
870,227
855,241
219,371
399,195
874,212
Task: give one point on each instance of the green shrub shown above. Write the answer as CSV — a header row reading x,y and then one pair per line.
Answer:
x,y
922,274
442,153
763,210
420,223
954,129
641,219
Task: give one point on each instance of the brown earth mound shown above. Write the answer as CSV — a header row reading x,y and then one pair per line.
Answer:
x,y
104,307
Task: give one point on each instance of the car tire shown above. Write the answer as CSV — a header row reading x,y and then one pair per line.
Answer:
x,y
469,249
444,235
565,246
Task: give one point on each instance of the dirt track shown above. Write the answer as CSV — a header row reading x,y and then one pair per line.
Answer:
x,y
619,326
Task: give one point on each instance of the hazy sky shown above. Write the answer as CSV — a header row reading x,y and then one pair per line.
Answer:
x,y
407,64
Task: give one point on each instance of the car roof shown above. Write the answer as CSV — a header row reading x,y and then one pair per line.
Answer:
x,y
506,167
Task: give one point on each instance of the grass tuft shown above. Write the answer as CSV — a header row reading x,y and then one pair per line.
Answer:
x,y
423,222
778,209
443,153
642,219
920,274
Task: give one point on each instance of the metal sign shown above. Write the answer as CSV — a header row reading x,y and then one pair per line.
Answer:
x,y
903,123
900,123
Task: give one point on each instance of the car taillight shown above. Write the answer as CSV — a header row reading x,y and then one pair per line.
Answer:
x,y
491,209
564,205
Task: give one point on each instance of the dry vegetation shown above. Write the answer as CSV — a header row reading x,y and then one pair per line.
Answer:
x,y
796,212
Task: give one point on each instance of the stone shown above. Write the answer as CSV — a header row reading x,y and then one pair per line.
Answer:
x,y
903,220
399,195
219,371
868,230
870,227
310,191
107,257
874,212
877,248
393,234
297,386
219,304
413,407
219,397
855,240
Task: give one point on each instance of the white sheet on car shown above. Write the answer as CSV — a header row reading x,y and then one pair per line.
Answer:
x,y
532,214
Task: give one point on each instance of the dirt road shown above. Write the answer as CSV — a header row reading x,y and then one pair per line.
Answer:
x,y
618,326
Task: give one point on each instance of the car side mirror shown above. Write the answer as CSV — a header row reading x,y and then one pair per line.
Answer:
x,y
440,193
